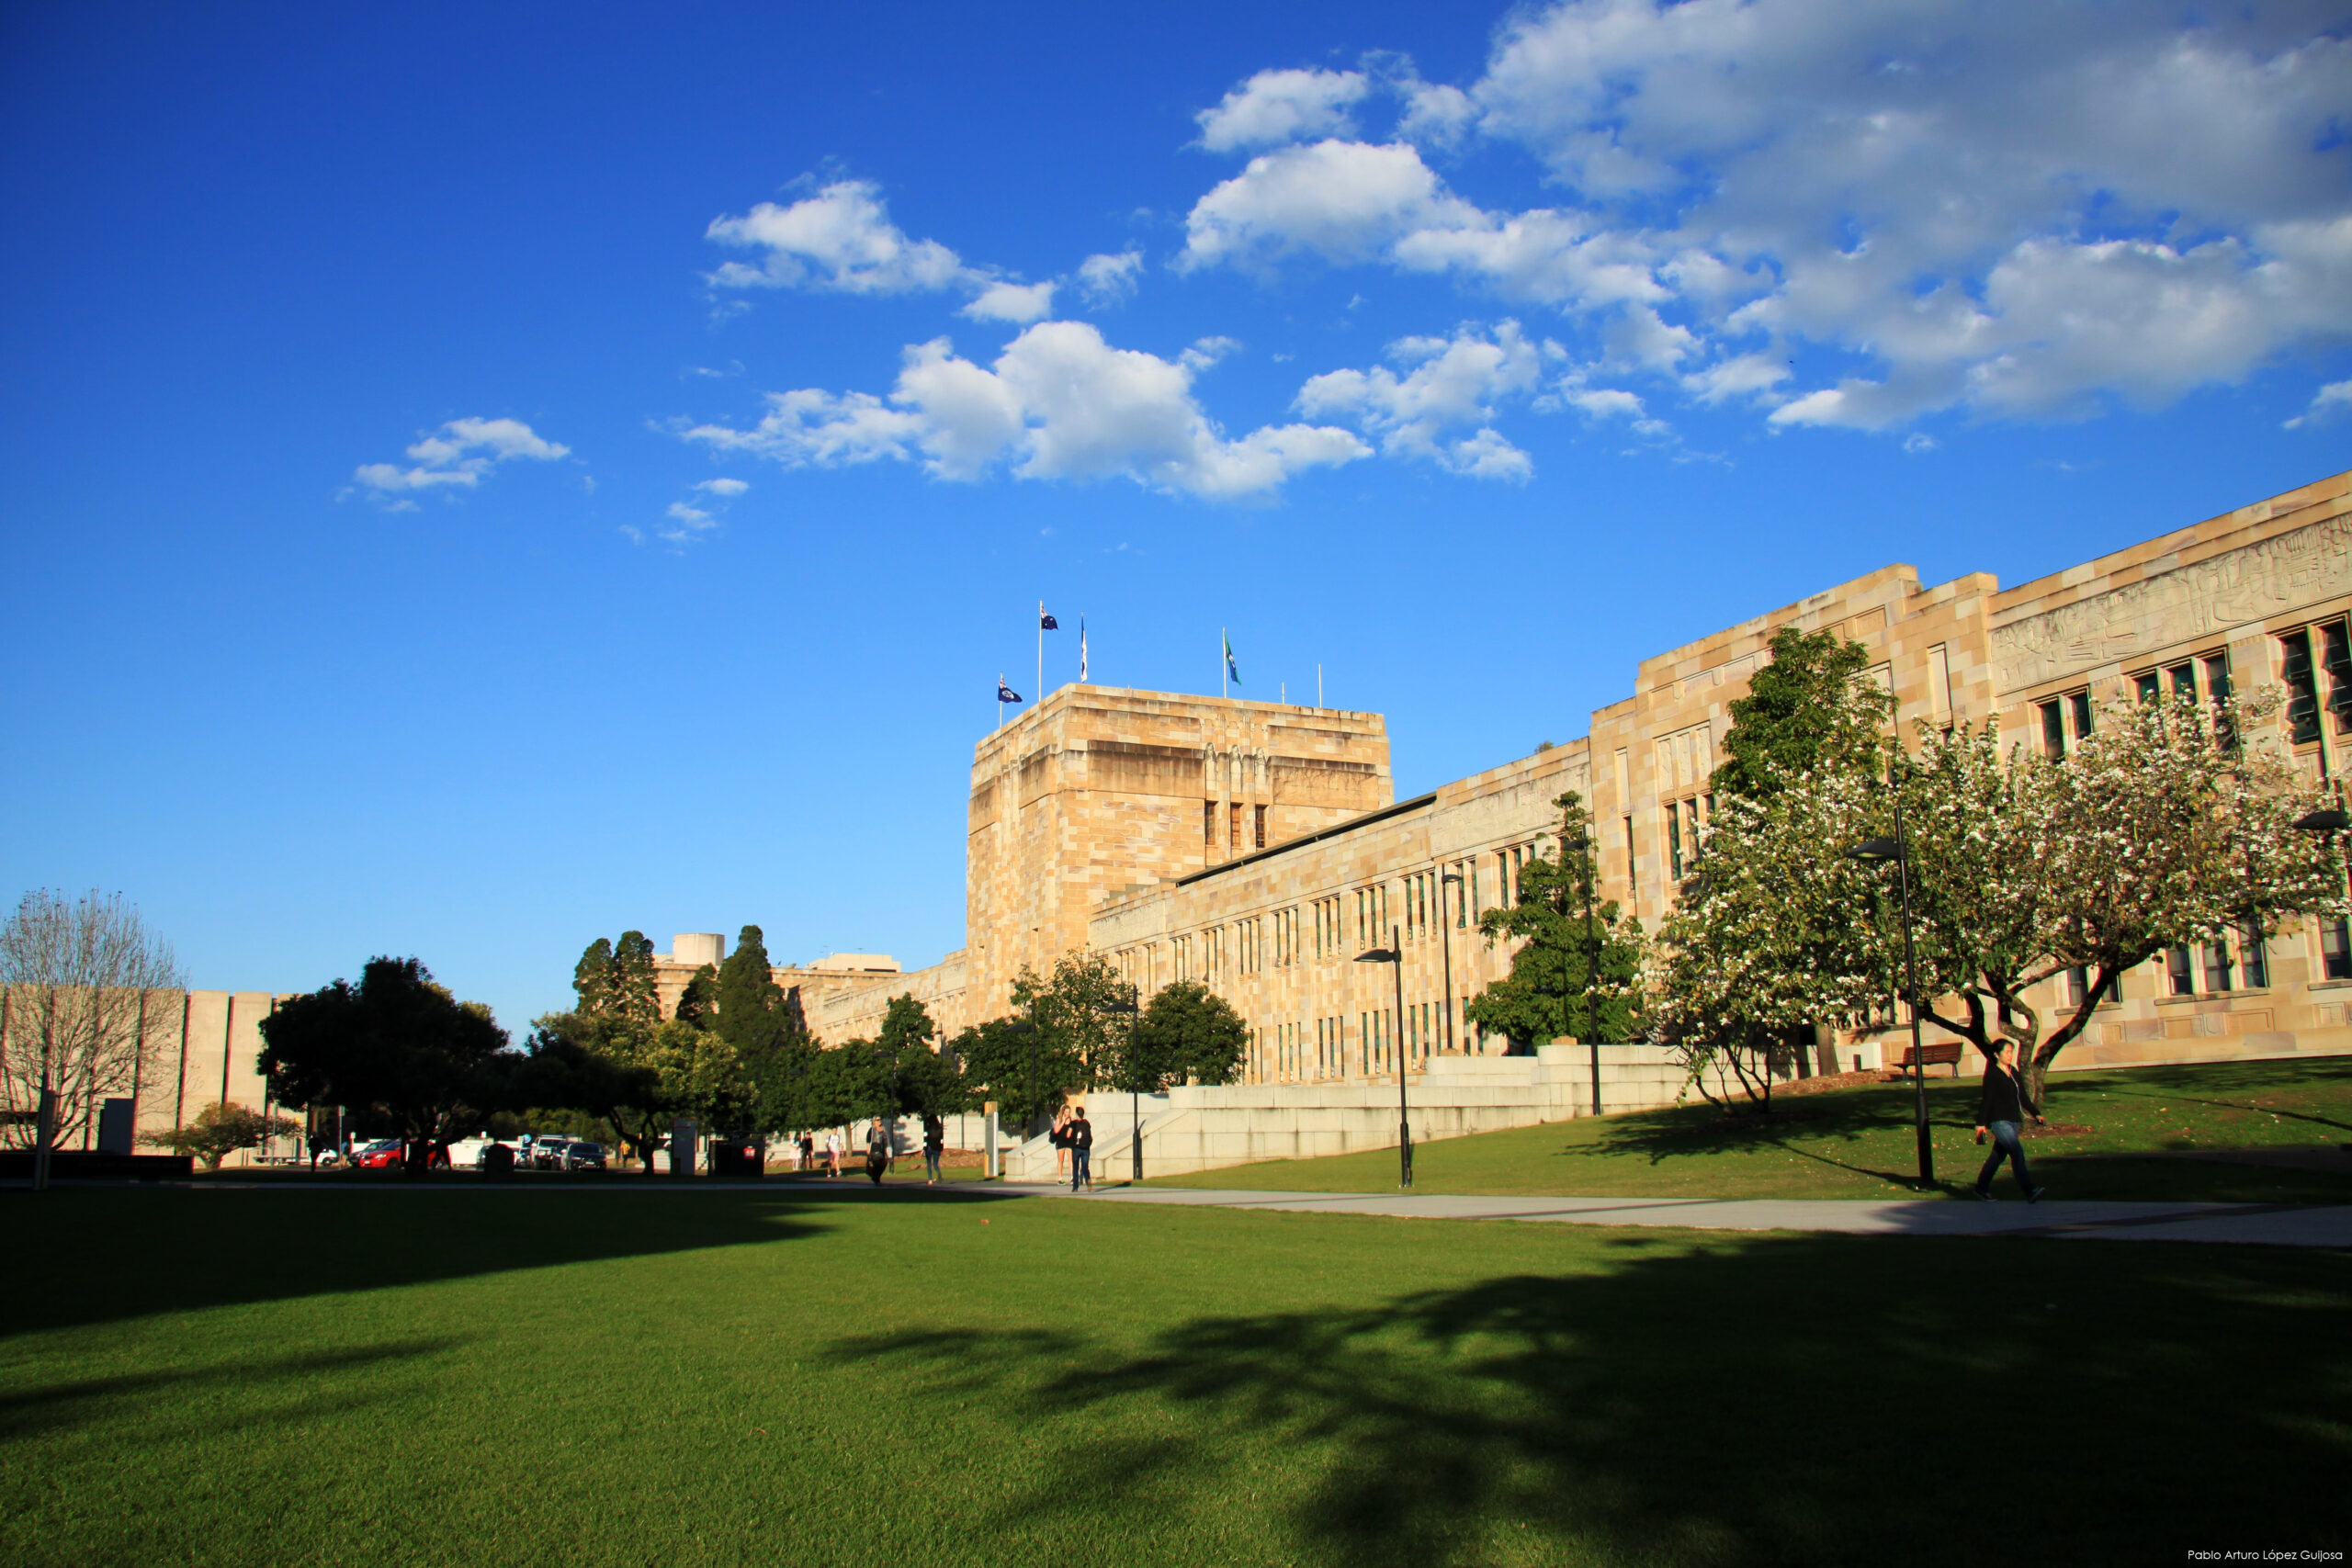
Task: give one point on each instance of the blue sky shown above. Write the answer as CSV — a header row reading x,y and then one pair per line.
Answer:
x,y
482,478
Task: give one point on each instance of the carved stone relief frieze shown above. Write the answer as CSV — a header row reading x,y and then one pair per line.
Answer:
x,y
2222,590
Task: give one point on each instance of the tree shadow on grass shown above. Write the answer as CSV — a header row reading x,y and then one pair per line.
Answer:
x,y
56,1406
1760,1399
1847,1116
96,1255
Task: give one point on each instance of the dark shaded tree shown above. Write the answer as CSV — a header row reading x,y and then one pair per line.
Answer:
x,y
397,1044
698,1003
751,1009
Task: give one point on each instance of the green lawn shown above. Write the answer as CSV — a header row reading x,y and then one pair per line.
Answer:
x,y
272,1378
1860,1144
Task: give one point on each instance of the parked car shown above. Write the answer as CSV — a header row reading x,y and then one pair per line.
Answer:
x,y
581,1154
383,1154
467,1154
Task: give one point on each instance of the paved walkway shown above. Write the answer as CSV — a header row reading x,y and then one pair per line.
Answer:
x,y
2274,1224
2277,1225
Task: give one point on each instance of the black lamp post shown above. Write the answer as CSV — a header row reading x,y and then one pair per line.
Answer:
x,y
1395,954
1896,849
1134,1079
1583,844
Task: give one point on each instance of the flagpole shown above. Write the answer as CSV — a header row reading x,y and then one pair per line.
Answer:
x,y
1040,687
1220,663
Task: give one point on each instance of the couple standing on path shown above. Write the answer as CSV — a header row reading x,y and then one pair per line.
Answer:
x,y
1076,1136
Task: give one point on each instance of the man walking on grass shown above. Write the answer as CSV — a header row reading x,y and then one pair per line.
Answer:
x,y
1081,1133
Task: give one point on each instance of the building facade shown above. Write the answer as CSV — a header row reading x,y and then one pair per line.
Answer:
x,y
1258,848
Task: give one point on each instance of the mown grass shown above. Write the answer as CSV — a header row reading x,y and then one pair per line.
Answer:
x,y
607,1377
1861,1143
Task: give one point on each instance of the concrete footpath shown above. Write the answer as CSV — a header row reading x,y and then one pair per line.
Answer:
x,y
2273,1225
2268,1224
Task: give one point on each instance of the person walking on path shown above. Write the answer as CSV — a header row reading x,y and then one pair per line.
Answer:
x,y
878,1151
1081,1133
2002,1114
1060,1140
832,1152
935,1141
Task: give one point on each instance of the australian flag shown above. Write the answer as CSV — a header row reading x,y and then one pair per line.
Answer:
x,y
1045,623
1005,693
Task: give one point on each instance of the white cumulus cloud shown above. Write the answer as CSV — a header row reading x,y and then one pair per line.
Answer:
x,y
2333,398
1059,402
1019,303
1446,384
1275,106
1343,201
2026,211
841,238
1108,278
458,455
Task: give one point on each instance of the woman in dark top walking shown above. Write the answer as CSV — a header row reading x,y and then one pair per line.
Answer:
x,y
2002,1114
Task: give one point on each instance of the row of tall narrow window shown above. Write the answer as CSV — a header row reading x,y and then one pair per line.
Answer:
x,y
2306,655
1245,826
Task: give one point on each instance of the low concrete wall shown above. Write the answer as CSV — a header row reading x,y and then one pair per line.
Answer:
x,y
1206,1128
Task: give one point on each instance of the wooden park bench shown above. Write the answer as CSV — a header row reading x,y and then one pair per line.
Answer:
x,y
1945,1054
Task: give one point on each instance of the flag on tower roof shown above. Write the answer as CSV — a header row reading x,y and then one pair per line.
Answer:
x,y
1230,667
1081,650
1045,623
1005,693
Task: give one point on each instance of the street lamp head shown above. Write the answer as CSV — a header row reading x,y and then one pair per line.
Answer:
x,y
1875,850
1119,1007
1377,956
2330,821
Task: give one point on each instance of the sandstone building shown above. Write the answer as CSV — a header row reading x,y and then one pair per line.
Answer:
x,y
1258,847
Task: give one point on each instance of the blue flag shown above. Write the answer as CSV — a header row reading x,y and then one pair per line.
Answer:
x,y
1045,623
1005,693
1230,667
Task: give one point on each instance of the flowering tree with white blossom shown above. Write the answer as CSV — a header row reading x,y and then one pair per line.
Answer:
x,y
2157,831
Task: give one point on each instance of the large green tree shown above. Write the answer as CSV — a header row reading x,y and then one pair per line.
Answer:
x,y
1082,1011
1186,1034
1813,707
648,1071
397,1044
752,1016
1008,1061
1564,960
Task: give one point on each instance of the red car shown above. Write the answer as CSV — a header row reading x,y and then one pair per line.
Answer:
x,y
384,1154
